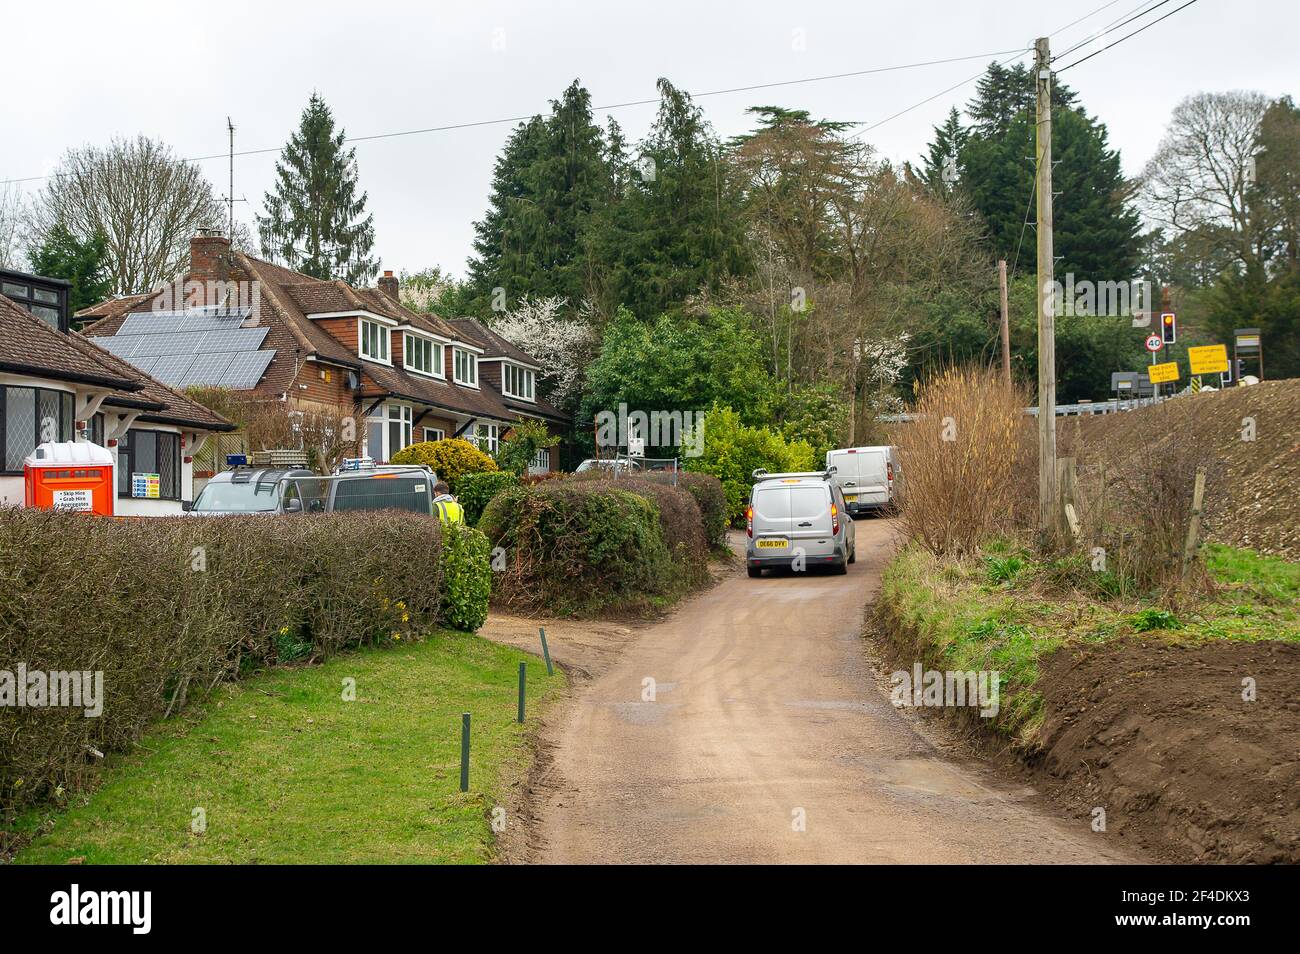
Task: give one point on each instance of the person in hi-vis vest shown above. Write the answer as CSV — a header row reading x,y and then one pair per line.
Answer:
x,y
449,511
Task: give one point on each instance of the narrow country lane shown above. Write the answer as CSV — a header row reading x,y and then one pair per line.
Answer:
x,y
766,712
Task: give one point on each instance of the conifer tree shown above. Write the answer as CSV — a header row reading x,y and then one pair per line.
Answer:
x,y
316,220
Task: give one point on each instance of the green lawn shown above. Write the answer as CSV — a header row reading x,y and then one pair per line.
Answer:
x,y
286,771
1004,612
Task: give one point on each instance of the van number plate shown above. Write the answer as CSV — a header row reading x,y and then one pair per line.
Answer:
x,y
850,498
772,544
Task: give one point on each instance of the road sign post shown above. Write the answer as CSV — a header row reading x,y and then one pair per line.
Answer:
x,y
1248,341
1154,343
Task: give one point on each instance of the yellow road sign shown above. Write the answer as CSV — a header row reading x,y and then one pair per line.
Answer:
x,y
1160,373
1209,359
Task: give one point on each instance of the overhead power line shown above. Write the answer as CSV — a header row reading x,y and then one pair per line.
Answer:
x,y
1128,37
970,79
1141,10
598,109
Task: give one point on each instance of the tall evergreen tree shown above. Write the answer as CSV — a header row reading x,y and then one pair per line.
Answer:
x,y
548,183
1096,226
316,221
944,155
84,263
679,227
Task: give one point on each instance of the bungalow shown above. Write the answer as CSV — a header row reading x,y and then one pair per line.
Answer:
x,y
56,385
403,376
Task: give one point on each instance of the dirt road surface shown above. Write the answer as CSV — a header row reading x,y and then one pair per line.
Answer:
x,y
769,739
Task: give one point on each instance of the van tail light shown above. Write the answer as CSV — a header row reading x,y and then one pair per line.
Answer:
x,y
749,521
835,519
889,470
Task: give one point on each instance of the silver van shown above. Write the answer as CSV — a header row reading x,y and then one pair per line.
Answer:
x,y
865,475
797,520
248,490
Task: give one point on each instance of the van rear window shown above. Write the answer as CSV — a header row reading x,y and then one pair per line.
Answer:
x,y
808,502
772,503
383,493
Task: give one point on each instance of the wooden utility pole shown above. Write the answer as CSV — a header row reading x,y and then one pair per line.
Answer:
x,y
1006,327
1047,505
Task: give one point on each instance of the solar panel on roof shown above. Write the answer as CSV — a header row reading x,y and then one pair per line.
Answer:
x,y
246,370
178,322
171,368
146,364
230,339
208,369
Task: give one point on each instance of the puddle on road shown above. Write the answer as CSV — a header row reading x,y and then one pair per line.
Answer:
x,y
643,713
927,775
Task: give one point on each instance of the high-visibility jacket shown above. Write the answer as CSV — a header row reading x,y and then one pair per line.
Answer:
x,y
449,511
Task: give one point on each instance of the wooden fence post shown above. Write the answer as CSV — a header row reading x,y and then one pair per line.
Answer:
x,y
1194,525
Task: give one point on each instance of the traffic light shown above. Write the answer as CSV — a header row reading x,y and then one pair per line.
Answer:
x,y
1168,328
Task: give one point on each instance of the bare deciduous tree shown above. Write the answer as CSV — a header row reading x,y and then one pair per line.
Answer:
x,y
146,202
1202,172
12,212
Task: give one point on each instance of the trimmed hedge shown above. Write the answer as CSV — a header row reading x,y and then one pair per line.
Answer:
x,y
712,500
475,490
167,608
578,546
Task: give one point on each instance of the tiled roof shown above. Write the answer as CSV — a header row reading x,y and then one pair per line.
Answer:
x,y
288,297
493,345
30,346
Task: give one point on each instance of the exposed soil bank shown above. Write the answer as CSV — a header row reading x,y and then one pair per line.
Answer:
x,y
1158,735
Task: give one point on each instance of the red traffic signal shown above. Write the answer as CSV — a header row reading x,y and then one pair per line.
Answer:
x,y
1168,328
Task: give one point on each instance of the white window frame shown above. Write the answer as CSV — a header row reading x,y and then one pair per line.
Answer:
x,y
421,342
491,440
541,462
383,339
471,364
438,431
382,417
518,381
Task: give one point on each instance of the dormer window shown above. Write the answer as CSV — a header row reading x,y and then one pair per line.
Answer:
x,y
517,382
465,367
422,355
373,338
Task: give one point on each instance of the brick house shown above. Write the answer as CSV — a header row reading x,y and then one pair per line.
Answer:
x,y
404,376
58,386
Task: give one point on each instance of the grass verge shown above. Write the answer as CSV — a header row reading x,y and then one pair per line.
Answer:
x,y
1001,610
285,771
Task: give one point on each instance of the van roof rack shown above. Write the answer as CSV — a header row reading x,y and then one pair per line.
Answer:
x,y
762,474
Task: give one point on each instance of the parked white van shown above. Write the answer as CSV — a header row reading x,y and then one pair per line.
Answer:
x,y
865,475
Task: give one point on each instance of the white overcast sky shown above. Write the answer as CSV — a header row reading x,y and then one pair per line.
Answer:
x,y
75,73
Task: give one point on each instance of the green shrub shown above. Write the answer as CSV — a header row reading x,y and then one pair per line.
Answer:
x,y
680,521
167,608
467,577
577,546
712,501
451,458
475,490
733,451
1153,618
521,444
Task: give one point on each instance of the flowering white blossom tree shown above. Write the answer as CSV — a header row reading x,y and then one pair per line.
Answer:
x,y
562,346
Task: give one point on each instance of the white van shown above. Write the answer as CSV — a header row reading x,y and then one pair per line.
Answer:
x,y
865,475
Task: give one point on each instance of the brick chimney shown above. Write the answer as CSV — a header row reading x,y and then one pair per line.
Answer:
x,y
209,257
390,287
